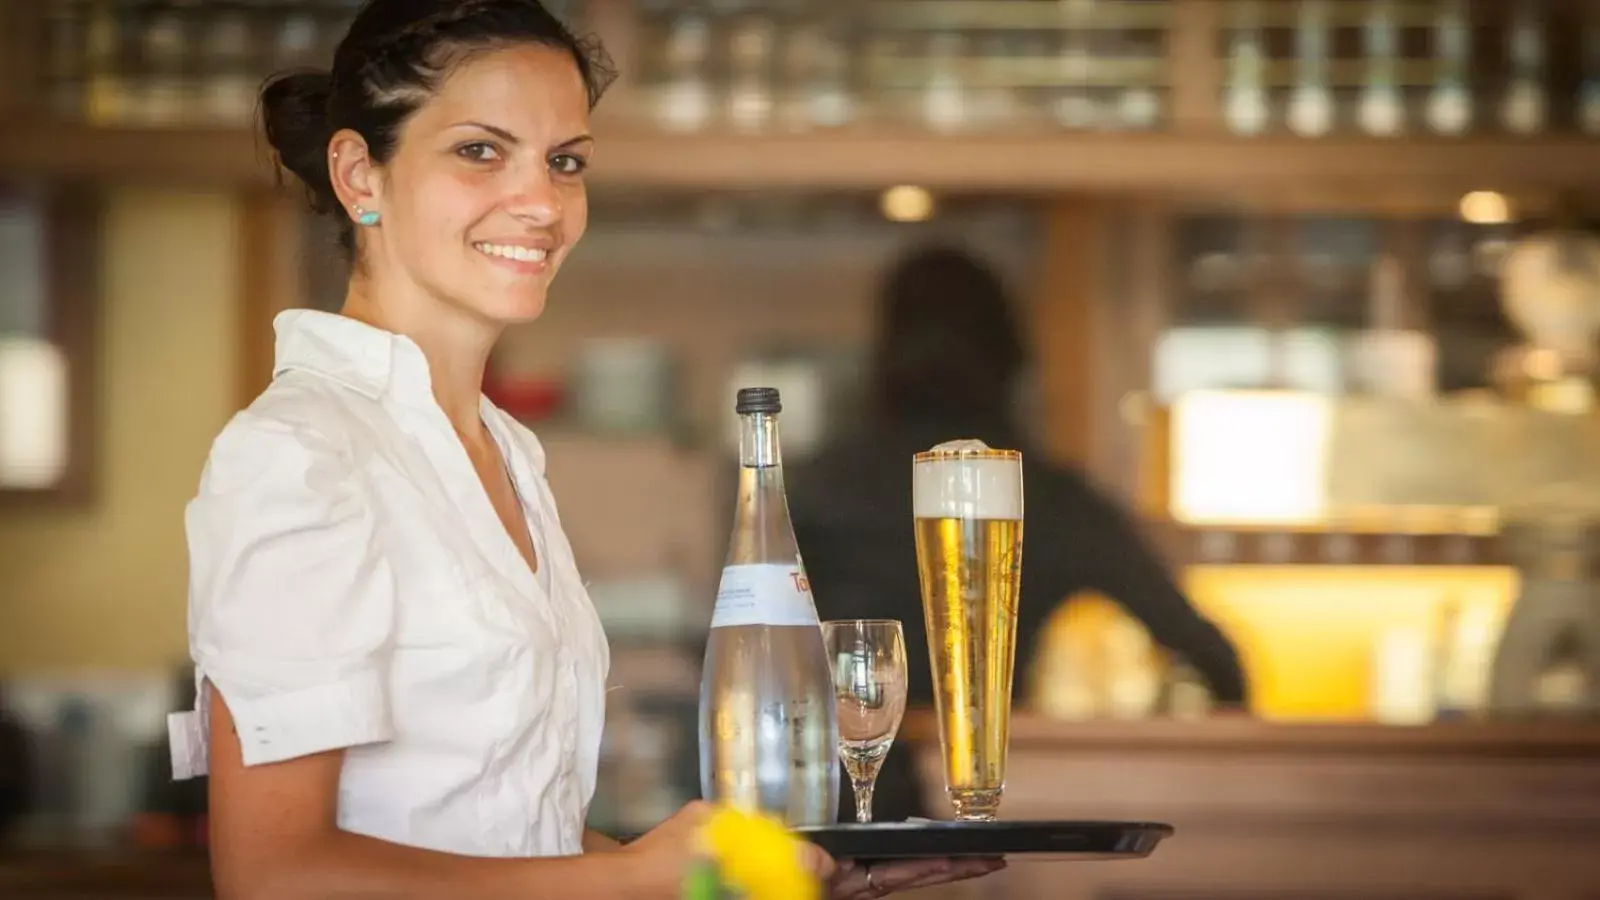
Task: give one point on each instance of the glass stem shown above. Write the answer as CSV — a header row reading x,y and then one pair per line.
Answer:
x,y
863,790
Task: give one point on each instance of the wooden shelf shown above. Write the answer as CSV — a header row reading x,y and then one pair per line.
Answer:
x,y
1169,164
187,156
1101,162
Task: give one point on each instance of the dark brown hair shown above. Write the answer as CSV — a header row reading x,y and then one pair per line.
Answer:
x,y
390,61
946,337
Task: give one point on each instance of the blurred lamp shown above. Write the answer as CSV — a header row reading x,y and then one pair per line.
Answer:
x,y
907,203
1250,456
1485,208
33,413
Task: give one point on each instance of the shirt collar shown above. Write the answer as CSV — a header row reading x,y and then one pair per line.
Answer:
x,y
377,364
362,357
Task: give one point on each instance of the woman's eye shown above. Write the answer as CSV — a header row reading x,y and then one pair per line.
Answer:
x,y
478,151
568,164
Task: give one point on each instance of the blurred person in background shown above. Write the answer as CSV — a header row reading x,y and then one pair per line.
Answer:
x,y
946,358
401,678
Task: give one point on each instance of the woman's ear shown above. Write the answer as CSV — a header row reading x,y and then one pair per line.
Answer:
x,y
357,182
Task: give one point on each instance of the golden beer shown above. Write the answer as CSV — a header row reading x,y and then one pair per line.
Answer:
x,y
967,501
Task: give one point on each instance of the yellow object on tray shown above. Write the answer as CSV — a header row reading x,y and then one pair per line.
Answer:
x,y
749,857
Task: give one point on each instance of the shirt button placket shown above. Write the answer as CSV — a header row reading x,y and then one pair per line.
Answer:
x,y
569,741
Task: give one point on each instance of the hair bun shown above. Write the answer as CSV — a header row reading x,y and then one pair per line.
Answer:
x,y
294,114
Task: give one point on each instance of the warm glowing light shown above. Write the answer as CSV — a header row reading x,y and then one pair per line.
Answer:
x,y
907,203
1485,208
1245,457
33,413
1542,364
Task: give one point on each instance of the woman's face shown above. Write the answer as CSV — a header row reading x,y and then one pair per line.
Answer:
x,y
484,197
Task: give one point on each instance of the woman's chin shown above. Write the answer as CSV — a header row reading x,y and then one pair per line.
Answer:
x,y
514,309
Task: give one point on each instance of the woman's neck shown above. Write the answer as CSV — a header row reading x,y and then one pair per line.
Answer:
x,y
455,344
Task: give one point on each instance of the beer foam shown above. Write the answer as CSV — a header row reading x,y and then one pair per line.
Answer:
x,y
966,479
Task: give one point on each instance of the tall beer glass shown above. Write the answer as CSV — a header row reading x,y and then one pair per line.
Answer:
x,y
967,502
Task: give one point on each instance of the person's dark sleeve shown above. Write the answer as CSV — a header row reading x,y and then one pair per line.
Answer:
x,y
1104,552
814,541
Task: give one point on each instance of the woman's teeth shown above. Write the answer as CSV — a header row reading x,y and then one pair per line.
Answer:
x,y
505,251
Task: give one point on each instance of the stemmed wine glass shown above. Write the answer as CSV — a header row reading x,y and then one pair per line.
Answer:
x,y
868,662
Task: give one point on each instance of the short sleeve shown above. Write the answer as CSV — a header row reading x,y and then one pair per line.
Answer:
x,y
290,601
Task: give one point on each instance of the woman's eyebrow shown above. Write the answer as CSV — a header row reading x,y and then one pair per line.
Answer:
x,y
498,132
510,138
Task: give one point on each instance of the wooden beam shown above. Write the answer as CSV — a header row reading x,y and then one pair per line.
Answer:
x,y
21,63
75,229
1043,163
1068,287
1132,320
271,274
1196,62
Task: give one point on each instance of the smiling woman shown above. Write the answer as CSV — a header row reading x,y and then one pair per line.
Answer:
x,y
401,676
481,94
402,679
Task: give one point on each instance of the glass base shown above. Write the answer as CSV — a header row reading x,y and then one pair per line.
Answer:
x,y
975,805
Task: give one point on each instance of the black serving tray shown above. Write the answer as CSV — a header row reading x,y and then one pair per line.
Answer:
x,y
1081,840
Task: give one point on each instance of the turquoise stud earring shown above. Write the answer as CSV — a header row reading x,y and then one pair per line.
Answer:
x,y
366,217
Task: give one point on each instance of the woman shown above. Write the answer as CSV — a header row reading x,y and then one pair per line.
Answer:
x,y
402,680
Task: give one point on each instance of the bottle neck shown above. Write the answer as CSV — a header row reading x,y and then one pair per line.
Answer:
x,y
758,441
761,533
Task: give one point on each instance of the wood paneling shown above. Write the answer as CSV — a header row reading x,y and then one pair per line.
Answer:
x,y
1197,69
1070,288
19,57
1130,317
272,272
1463,811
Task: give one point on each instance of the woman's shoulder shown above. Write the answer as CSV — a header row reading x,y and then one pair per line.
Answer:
x,y
295,426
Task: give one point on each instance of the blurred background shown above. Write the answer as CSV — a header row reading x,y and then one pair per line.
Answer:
x,y
1312,294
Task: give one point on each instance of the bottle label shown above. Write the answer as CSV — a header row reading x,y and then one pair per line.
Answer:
x,y
764,594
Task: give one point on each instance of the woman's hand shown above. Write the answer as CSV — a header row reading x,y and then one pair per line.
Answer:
x,y
661,857
863,881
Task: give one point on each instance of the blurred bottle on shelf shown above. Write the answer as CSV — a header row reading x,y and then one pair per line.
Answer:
x,y
752,39
1523,104
1245,105
683,89
1311,105
1449,110
1382,110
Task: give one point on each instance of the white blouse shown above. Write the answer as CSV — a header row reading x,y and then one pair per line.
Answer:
x,y
352,587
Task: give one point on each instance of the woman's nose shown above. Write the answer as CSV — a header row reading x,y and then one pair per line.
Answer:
x,y
537,202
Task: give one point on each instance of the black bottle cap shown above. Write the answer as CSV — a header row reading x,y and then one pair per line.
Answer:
x,y
757,400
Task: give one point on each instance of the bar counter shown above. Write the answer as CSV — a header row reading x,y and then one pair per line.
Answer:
x,y
1264,811
122,874
1318,811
